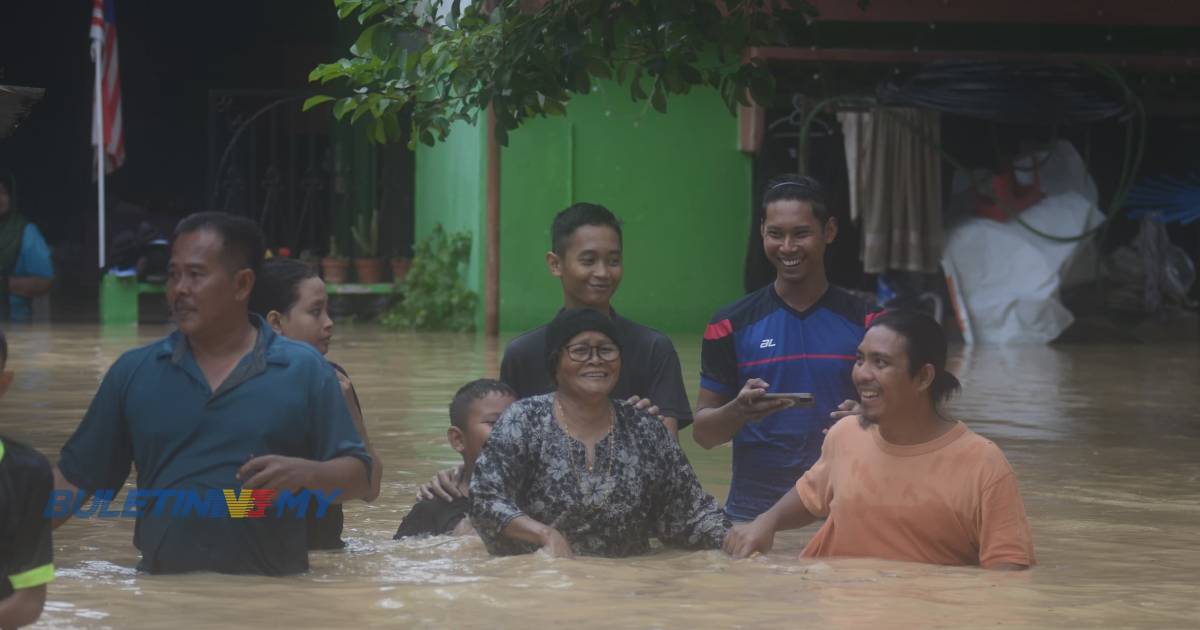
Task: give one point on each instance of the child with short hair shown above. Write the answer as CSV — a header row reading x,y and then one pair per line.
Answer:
x,y
26,553
473,412
290,296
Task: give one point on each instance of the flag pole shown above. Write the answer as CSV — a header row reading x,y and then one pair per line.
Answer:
x,y
98,139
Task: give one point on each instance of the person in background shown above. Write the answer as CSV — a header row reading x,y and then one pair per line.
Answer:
x,y
291,297
25,267
26,551
473,412
903,481
796,335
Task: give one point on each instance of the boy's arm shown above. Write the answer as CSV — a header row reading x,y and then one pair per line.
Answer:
x,y
355,409
23,607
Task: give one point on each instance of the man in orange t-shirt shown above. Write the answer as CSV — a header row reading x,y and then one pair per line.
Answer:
x,y
901,481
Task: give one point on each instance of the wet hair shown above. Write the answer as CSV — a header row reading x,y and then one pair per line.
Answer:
x,y
576,216
925,345
797,188
241,240
469,393
277,287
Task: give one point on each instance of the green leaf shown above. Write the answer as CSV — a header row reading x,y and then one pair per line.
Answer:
x,y
376,9
580,81
635,88
391,126
346,7
313,101
659,99
343,106
359,111
691,74
598,68
362,45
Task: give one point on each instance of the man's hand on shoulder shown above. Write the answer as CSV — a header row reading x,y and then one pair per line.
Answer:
x,y
443,486
651,409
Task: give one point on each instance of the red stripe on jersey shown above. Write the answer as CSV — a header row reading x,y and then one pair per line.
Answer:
x,y
720,329
797,357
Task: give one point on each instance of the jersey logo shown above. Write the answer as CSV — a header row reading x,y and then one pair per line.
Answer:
x,y
767,343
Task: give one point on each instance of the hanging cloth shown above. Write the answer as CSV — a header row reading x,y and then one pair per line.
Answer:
x,y
896,181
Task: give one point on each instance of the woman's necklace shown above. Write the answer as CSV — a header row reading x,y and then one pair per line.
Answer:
x,y
611,450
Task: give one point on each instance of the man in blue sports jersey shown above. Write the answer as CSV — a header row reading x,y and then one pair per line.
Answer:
x,y
795,335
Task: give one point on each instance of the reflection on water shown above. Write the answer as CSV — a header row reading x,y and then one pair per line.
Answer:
x,y
1104,440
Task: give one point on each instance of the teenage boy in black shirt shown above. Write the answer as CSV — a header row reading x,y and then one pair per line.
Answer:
x,y
586,257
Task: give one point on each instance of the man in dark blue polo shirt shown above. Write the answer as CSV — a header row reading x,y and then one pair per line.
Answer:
x,y
221,403
795,335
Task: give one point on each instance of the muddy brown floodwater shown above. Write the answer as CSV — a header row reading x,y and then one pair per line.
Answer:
x,y
1105,441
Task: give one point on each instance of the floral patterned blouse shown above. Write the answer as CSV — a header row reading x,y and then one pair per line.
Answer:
x,y
641,485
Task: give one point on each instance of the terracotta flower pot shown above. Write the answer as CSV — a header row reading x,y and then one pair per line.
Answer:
x,y
369,270
400,266
335,270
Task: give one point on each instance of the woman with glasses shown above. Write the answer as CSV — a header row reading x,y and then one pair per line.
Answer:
x,y
578,472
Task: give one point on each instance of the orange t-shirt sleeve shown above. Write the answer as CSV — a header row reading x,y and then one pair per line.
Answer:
x,y
1005,536
815,489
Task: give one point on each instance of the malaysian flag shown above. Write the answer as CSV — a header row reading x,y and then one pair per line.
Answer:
x,y
108,85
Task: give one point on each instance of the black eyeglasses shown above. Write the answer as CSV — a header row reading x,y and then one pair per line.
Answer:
x,y
581,352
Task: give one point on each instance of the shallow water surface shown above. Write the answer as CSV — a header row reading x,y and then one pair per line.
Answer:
x,y
1105,441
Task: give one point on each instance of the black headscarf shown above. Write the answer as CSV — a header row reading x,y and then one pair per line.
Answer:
x,y
571,322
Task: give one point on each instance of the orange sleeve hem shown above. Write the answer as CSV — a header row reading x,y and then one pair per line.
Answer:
x,y
805,492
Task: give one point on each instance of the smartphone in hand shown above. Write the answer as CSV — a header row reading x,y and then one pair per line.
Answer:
x,y
798,400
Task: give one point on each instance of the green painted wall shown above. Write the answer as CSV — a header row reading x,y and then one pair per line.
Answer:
x,y
451,189
677,181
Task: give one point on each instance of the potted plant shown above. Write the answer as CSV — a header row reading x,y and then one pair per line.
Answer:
x,y
367,263
334,267
436,297
400,266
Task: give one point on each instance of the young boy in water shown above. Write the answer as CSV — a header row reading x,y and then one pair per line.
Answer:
x,y
473,412
290,296
26,555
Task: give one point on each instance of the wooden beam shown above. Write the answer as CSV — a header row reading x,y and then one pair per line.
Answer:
x,y
1163,63
1081,12
751,126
